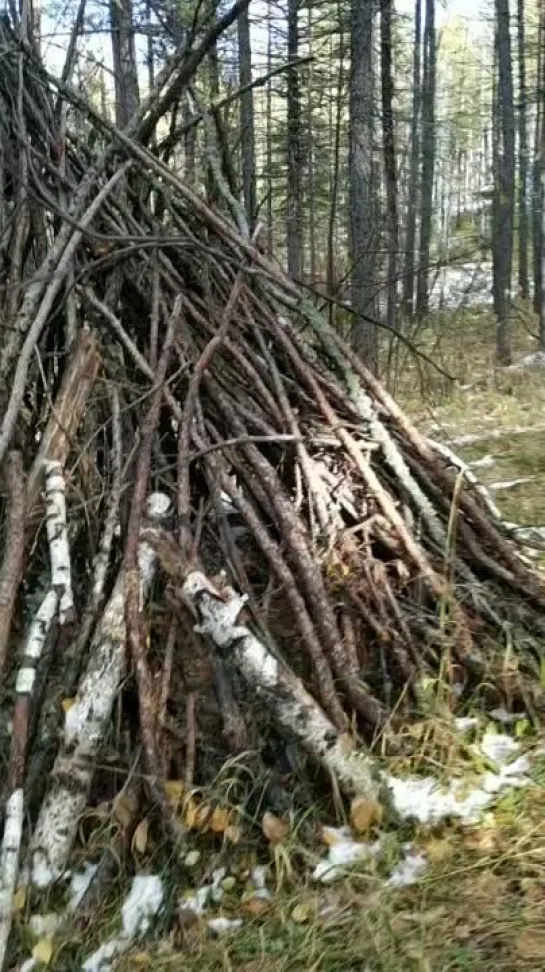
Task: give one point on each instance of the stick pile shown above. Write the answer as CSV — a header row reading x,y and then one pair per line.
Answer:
x,y
245,545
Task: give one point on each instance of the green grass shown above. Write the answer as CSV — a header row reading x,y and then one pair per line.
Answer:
x,y
480,907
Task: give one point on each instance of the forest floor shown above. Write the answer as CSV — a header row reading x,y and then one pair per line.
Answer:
x,y
479,904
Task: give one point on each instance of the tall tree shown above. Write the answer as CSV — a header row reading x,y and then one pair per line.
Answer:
x,y
536,176
336,102
361,169
523,156
504,187
247,134
294,221
412,196
388,148
428,158
124,61
539,249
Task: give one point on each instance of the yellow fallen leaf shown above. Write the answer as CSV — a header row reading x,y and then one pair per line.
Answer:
x,y
232,833
301,913
274,829
19,899
256,907
141,958
174,790
220,820
364,813
67,704
43,950
439,850
124,809
190,812
140,837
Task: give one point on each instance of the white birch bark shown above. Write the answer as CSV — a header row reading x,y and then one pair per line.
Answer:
x,y
57,535
9,864
35,642
283,693
86,723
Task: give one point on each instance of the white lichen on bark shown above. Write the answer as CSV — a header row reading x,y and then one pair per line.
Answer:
x,y
57,535
289,702
86,724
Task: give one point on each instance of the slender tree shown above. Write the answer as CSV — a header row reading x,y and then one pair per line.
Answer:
x,y
428,158
335,126
388,148
412,196
247,134
124,61
541,172
504,184
361,172
523,156
537,229
294,221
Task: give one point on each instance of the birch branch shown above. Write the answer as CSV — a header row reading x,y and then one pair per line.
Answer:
x,y
9,864
280,690
57,535
13,829
86,723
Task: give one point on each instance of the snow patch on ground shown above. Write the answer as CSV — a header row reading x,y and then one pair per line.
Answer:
x,y
343,851
409,870
425,799
198,901
79,883
222,926
142,905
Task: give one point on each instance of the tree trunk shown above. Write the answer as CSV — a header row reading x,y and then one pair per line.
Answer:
x,y
311,200
524,288
504,185
247,134
428,158
388,148
412,199
124,59
294,220
541,179
268,137
536,170
335,129
364,335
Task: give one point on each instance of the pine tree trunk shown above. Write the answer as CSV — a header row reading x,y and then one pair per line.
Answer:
x,y
428,159
124,59
540,165
335,125
268,137
504,185
361,170
294,150
412,198
523,158
388,148
536,172
247,133
311,201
